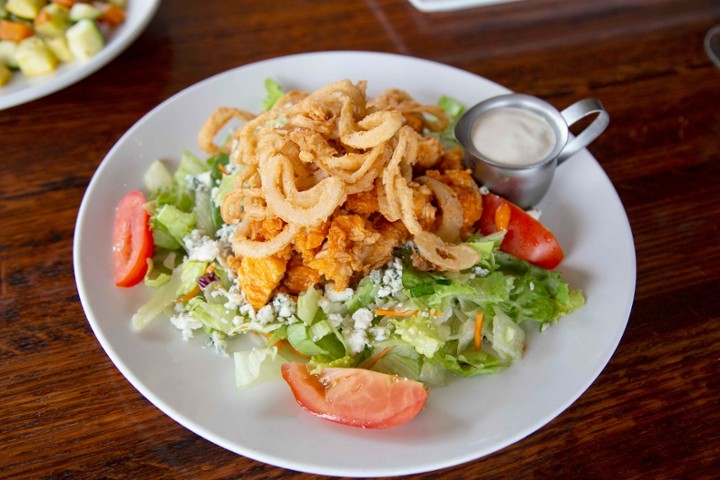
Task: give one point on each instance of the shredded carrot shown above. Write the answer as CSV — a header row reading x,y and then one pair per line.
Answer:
x,y
370,362
15,31
502,217
222,169
478,330
189,295
112,15
380,312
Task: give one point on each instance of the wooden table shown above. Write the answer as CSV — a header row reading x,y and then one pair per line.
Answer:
x,y
67,412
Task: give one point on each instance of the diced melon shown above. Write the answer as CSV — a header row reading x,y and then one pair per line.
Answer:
x,y
52,21
81,11
84,39
60,48
34,57
5,74
25,8
8,50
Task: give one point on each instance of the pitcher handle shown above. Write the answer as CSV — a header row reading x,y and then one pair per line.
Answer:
x,y
576,112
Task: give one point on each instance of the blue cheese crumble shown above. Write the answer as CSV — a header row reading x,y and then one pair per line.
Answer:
x,y
201,247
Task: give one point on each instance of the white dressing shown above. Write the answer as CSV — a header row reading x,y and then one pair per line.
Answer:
x,y
513,136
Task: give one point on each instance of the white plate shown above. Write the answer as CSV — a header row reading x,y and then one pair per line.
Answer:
x,y
462,421
23,89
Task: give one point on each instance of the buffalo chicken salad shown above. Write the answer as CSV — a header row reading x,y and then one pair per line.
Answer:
x,y
345,234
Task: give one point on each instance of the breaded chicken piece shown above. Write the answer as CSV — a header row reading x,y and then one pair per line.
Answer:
x,y
355,246
307,241
430,152
258,278
342,254
299,277
265,229
362,203
451,160
392,235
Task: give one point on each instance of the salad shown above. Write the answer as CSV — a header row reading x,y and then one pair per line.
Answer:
x,y
38,35
363,355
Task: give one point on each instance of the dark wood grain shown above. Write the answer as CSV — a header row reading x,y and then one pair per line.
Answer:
x,y
67,412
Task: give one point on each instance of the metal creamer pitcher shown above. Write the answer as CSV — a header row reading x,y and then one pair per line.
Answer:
x,y
525,185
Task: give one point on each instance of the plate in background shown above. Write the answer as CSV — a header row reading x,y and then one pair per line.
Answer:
x,y
447,5
21,89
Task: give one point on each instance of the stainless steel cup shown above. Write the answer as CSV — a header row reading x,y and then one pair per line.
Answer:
x,y
526,185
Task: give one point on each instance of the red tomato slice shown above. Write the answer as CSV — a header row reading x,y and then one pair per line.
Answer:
x,y
132,239
526,238
355,396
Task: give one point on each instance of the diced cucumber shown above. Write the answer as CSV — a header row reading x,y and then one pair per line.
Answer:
x,y
84,39
59,46
8,51
25,8
52,21
34,57
82,11
5,74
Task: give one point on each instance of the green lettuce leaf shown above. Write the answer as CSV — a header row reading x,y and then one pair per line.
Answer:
x,y
273,93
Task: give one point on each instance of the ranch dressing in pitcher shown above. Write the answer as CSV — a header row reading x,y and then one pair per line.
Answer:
x,y
513,136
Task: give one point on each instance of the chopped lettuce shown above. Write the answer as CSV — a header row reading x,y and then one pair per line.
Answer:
x,y
454,109
190,166
273,93
163,298
300,337
213,316
536,295
470,363
157,177
190,271
397,357
307,305
507,338
421,333
257,366
170,225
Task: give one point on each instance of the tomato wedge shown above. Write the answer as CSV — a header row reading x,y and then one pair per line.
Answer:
x,y
132,239
526,238
355,396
